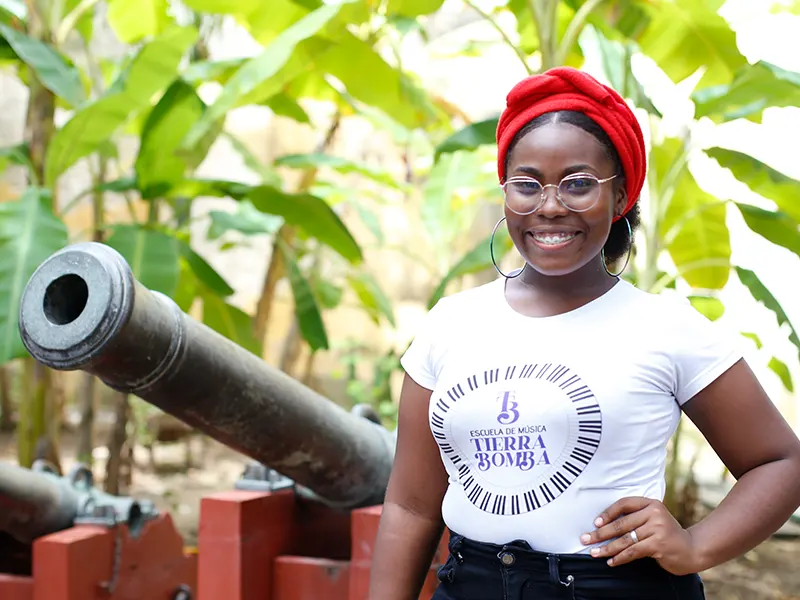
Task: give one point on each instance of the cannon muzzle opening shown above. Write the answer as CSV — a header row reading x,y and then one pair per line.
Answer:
x,y
65,299
83,309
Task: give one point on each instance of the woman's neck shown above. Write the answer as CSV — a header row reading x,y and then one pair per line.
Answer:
x,y
535,294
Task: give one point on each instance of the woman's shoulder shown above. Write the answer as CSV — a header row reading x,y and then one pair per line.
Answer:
x,y
469,300
670,320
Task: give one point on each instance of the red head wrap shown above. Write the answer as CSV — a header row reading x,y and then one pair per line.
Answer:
x,y
564,88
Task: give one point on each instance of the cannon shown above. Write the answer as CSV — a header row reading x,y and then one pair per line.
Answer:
x,y
37,502
83,309
125,549
301,522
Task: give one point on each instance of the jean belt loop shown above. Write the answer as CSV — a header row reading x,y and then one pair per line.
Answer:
x,y
555,574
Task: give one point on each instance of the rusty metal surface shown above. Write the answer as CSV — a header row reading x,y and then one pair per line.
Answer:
x,y
83,309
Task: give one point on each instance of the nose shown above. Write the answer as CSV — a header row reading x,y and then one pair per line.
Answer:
x,y
551,206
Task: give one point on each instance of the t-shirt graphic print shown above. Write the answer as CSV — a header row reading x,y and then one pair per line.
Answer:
x,y
542,423
519,435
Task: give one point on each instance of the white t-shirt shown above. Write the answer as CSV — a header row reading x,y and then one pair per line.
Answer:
x,y
542,423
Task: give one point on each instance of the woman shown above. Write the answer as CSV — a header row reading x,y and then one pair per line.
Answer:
x,y
536,410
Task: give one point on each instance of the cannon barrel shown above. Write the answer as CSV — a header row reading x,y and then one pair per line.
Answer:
x,y
36,502
83,309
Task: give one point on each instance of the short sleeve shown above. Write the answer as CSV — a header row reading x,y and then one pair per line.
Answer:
x,y
704,351
420,359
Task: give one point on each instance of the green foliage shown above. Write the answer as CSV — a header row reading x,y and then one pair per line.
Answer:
x,y
134,20
150,71
755,88
683,36
259,69
53,70
229,321
765,297
152,255
29,233
341,165
761,179
372,297
158,165
307,311
776,227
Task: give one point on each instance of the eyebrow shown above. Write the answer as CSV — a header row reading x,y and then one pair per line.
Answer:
x,y
534,172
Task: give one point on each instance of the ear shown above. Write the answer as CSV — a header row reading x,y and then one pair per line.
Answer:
x,y
620,197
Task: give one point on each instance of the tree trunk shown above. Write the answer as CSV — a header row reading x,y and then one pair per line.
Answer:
x,y
6,415
292,349
276,269
85,433
39,422
116,445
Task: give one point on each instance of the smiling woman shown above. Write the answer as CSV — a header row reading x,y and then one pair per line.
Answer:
x,y
537,409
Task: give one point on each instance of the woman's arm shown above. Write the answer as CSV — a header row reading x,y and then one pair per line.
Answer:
x,y
759,448
761,451
411,522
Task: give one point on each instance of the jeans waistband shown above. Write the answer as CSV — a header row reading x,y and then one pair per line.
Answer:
x,y
518,554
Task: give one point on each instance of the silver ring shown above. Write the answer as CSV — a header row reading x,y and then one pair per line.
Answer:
x,y
634,537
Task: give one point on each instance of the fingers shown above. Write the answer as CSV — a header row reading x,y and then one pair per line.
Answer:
x,y
616,528
622,507
642,549
619,546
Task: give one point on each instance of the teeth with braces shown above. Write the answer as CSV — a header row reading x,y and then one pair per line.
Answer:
x,y
553,238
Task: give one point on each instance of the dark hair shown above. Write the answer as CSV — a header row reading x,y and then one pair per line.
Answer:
x,y
619,241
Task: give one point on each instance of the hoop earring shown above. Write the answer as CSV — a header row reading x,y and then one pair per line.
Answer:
x,y
491,253
627,257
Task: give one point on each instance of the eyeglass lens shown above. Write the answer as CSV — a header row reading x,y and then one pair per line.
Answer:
x,y
578,193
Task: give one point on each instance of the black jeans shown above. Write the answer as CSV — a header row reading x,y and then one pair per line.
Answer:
x,y
478,571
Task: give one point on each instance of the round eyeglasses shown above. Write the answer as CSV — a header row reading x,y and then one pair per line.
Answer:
x,y
578,192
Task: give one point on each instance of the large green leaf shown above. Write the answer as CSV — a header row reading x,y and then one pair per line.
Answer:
x,y
782,371
386,88
470,137
229,7
686,35
229,321
526,28
711,308
84,24
52,69
204,272
696,236
342,165
260,68
412,8
133,20
152,255
11,10
762,179
246,219
312,215
776,227
372,297
755,88
29,234
476,260
267,173
15,155
451,180
762,294
284,105
158,165
307,312
150,71
616,61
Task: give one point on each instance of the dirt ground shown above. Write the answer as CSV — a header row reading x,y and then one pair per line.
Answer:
x,y
770,572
